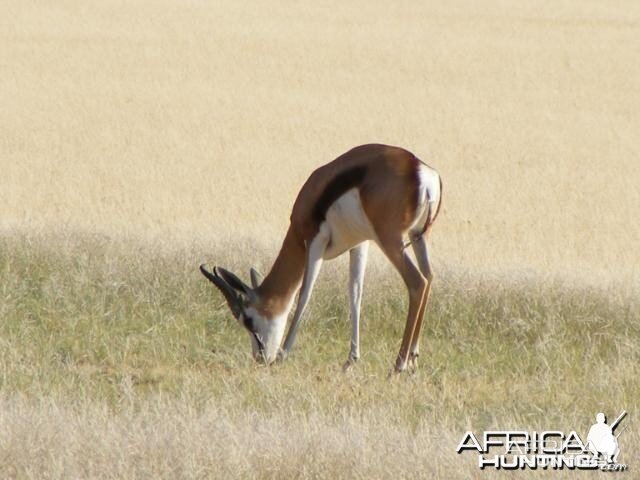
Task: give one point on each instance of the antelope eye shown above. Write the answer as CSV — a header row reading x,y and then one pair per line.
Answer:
x,y
248,322
260,344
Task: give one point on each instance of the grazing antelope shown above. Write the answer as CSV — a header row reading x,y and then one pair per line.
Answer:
x,y
372,192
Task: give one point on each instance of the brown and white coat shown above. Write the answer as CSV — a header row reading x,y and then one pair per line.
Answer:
x,y
372,192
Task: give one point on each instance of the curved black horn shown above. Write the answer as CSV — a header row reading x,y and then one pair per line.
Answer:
x,y
229,293
208,274
232,280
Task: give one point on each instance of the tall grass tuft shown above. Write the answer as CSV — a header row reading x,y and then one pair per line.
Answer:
x,y
121,363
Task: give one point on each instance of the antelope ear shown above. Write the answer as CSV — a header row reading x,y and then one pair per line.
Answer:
x,y
256,278
231,296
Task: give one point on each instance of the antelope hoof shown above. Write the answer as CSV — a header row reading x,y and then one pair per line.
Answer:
x,y
401,366
281,356
351,361
413,361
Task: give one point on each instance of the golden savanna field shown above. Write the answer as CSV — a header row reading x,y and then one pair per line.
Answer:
x,y
139,139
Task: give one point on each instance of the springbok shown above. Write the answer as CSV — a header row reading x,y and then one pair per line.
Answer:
x,y
372,192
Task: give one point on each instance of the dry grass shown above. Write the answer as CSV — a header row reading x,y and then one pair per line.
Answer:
x,y
114,364
171,440
201,120
139,138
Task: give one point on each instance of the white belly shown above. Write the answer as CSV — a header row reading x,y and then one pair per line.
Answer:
x,y
348,224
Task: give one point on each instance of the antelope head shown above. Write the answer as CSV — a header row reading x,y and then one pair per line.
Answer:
x,y
244,303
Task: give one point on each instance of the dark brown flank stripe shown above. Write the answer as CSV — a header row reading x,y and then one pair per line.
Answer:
x,y
335,189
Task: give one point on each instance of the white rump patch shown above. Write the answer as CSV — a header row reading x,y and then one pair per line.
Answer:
x,y
428,195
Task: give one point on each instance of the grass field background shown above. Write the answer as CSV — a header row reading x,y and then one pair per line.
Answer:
x,y
202,120
138,139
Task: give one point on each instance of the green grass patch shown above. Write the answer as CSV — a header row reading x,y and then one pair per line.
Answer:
x,y
89,320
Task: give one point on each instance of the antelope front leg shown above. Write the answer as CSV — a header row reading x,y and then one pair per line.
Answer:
x,y
357,265
314,262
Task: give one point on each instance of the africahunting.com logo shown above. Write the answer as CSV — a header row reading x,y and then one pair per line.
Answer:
x,y
553,449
